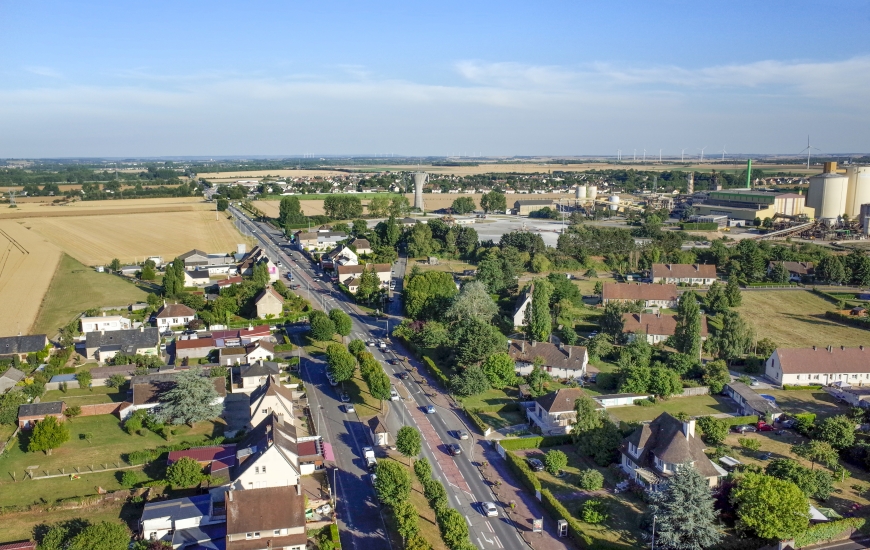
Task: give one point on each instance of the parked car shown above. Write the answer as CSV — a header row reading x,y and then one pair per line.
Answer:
x,y
763,426
462,434
323,509
489,509
348,408
743,428
430,409
765,456
753,382
454,449
535,464
345,397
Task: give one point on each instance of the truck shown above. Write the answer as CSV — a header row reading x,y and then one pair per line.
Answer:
x,y
369,455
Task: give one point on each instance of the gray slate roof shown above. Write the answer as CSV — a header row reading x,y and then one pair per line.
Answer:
x,y
760,404
124,340
664,438
266,369
40,409
22,344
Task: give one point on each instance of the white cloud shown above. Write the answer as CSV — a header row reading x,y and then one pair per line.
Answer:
x,y
44,71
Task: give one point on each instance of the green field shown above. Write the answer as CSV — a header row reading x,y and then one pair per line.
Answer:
x,y
76,288
699,405
94,396
107,445
796,319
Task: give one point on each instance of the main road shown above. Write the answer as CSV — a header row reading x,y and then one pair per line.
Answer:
x,y
358,510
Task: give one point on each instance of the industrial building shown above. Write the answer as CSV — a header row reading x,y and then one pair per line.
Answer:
x,y
524,207
748,204
834,193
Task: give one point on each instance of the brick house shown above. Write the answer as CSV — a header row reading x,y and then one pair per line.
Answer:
x,y
30,414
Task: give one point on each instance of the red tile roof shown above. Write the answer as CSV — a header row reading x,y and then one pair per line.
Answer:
x,y
195,343
635,291
832,360
175,310
20,545
307,448
223,453
650,323
684,271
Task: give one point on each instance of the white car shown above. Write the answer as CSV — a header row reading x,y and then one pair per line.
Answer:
x,y
348,408
394,395
490,509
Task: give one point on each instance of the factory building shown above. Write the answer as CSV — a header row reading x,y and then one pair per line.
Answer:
x,y
833,193
747,204
524,207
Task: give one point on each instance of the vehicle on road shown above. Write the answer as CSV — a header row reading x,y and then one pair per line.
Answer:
x,y
393,361
332,381
489,509
454,449
430,409
382,344
371,461
345,397
402,375
279,264
462,434
394,395
370,343
535,464
348,408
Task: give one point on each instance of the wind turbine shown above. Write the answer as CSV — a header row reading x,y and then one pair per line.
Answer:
x,y
644,154
660,156
702,153
723,153
682,155
809,150
634,156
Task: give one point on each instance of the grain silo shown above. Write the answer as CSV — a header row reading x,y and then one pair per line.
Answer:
x,y
592,192
580,194
827,193
614,202
864,218
420,179
858,192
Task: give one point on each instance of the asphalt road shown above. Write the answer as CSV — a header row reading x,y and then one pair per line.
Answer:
x,y
359,513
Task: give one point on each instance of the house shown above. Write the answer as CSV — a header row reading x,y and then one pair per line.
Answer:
x,y
146,390
255,522
249,353
198,260
651,295
797,271
554,412
30,414
258,256
20,545
655,326
362,246
254,375
174,315
340,255
559,361
104,322
818,365
319,240
271,398
100,375
197,348
168,519
10,378
22,345
243,337
524,301
104,345
129,270
689,274
228,282
858,311
269,303
379,433
198,278
234,355
749,402
654,451
347,273
407,222
273,455
353,284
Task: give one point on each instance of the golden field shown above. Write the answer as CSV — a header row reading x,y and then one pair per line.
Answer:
x,y
130,237
100,208
27,265
432,201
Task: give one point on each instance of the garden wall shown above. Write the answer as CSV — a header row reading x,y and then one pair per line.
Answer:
x,y
101,408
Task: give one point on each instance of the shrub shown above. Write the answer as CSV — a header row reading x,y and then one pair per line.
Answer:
x,y
644,402
749,443
129,479
591,480
555,460
593,511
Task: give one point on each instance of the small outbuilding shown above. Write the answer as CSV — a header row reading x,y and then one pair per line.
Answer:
x,y
30,414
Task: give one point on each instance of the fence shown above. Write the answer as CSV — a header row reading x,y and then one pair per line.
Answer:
x,y
691,392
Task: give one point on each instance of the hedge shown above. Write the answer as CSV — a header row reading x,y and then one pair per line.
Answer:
x,y
827,531
537,442
477,420
435,371
859,322
801,388
435,493
333,534
522,470
499,408
738,420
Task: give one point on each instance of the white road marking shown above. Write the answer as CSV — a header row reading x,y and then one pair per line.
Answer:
x,y
469,522
498,542
486,539
491,530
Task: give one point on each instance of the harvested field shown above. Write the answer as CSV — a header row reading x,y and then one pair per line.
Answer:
x,y
796,318
103,208
27,265
75,288
130,237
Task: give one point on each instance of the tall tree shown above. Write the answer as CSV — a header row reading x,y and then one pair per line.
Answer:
x,y
369,285
463,205
393,483
342,321
687,334
477,340
493,202
772,508
716,299
340,363
838,430
831,269
290,211
539,323
778,273
732,292
588,417
408,442
192,399
48,435
428,294
471,381
500,369
322,327
684,512
472,302
733,339
106,535
185,472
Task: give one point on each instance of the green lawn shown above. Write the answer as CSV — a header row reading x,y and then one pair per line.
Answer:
x,y
77,396
107,445
695,406
19,525
77,287
808,401
503,419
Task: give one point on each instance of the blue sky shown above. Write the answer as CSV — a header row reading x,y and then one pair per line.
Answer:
x,y
495,78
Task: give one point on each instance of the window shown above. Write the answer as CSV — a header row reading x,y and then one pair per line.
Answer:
x,y
256,469
254,535
265,411
798,377
263,470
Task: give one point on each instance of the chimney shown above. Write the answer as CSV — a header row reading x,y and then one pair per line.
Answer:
x,y
523,346
533,343
141,328
689,428
569,351
104,314
298,490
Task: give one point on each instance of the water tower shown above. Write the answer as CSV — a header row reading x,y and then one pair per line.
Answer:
x,y
420,179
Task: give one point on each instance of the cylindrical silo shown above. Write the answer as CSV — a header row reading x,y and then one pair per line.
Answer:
x,y
614,202
859,189
419,181
827,195
592,192
864,217
581,192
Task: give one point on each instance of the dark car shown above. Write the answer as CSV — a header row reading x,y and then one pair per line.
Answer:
x,y
454,449
393,361
345,397
535,464
743,428
403,375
